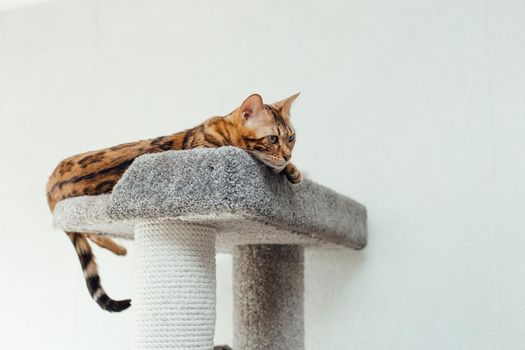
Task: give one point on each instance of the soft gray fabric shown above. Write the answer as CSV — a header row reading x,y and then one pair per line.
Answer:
x,y
268,289
226,188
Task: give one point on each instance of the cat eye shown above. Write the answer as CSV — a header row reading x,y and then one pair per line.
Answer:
x,y
291,138
272,139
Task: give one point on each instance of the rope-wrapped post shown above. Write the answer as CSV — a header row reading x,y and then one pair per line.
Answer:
x,y
174,294
268,297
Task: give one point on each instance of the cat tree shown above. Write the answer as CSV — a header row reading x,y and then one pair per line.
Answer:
x,y
183,206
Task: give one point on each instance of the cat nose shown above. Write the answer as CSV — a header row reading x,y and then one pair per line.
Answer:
x,y
287,157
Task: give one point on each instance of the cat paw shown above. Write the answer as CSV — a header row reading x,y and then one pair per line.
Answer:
x,y
222,347
293,174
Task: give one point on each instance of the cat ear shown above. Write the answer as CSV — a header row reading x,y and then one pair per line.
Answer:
x,y
285,105
252,106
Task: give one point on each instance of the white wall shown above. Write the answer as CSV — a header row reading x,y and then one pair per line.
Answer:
x,y
415,108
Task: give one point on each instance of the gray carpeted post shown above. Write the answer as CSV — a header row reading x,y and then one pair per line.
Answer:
x,y
268,297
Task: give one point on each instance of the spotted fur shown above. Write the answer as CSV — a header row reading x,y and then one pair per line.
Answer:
x,y
262,130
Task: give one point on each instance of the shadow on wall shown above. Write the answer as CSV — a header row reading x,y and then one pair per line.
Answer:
x,y
329,279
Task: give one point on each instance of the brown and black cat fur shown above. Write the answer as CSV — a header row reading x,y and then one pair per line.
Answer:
x,y
262,130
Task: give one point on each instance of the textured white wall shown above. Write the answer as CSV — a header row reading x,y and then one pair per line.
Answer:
x,y
415,108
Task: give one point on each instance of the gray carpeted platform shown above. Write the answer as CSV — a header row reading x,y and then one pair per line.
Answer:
x,y
226,188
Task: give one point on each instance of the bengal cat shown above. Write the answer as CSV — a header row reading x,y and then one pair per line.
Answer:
x,y
262,130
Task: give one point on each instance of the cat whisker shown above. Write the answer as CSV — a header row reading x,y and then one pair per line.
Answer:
x,y
273,162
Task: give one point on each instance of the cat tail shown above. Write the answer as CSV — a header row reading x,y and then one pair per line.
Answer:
x,y
89,267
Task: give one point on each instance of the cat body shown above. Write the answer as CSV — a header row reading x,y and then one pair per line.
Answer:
x,y
262,130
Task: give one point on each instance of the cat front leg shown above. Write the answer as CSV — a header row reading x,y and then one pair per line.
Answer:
x,y
292,173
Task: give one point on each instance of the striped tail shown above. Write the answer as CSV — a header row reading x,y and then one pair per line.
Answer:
x,y
89,267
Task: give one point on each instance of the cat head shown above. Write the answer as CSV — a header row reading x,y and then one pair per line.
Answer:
x,y
266,130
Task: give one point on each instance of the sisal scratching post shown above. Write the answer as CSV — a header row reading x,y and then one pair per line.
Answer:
x,y
174,297
181,206
268,290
